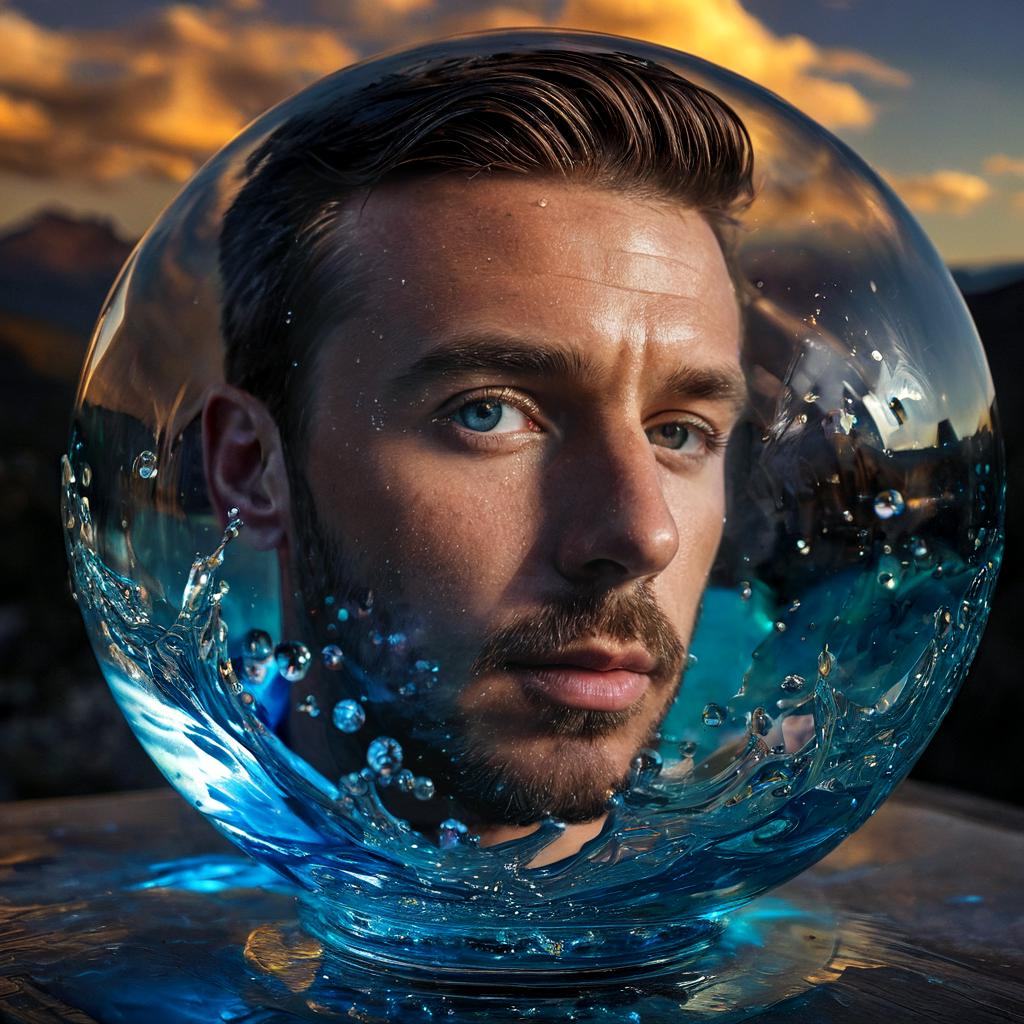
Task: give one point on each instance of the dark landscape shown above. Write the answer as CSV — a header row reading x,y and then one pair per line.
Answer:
x,y
60,732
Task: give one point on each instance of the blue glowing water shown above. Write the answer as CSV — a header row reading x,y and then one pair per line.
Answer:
x,y
854,676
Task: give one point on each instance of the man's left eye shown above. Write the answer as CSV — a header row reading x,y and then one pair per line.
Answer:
x,y
680,437
489,415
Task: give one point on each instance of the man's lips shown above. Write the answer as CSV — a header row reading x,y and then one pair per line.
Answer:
x,y
595,679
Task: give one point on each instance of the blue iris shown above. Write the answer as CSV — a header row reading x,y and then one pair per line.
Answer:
x,y
482,415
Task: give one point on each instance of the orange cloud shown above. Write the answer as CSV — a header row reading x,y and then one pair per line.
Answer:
x,y
723,32
1000,163
1017,202
942,191
156,96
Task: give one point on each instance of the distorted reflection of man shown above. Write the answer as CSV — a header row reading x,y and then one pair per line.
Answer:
x,y
483,357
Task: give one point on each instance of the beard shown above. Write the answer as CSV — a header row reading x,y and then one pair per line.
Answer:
x,y
518,758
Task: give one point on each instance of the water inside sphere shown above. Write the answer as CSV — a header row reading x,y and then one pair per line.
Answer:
x,y
559,715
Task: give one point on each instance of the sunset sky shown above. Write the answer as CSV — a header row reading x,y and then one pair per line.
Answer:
x,y
106,107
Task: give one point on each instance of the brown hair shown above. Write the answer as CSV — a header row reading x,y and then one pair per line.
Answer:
x,y
602,118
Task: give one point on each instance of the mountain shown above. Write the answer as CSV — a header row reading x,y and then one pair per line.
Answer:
x,y
58,268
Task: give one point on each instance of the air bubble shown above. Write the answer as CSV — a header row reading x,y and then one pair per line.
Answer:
x,y
384,757
423,788
348,716
405,781
86,475
644,768
888,504
451,834
687,748
309,705
713,715
145,465
760,723
887,580
333,657
292,659
542,202
826,662
257,645
745,590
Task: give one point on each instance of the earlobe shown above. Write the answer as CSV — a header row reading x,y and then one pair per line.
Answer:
x,y
243,459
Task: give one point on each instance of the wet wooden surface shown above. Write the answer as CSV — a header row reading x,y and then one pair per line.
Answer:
x,y
928,897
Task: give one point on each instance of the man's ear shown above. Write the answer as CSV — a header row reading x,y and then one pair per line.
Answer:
x,y
245,466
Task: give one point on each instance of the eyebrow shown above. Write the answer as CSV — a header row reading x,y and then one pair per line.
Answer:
x,y
493,353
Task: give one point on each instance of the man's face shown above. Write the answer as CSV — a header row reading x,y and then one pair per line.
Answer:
x,y
516,443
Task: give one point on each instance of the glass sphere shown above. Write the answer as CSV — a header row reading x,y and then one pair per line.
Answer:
x,y
519,522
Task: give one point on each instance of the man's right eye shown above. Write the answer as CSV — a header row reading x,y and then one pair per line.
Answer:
x,y
489,415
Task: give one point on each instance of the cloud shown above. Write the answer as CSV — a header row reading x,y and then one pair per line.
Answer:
x,y
154,97
942,191
157,95
1017,202
723,32
1000,163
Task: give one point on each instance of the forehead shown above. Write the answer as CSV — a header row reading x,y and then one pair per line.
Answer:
x,y
570,263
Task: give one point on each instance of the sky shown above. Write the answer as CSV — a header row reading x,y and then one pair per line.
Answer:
x,y
108,106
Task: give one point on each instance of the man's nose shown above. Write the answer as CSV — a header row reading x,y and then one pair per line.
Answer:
x,y
614,523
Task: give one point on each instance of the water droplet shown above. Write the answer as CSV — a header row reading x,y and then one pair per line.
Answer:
x,y
803,547
687,748
847,515
423,788
713,715
145,465
333,657
760,723
826,662
542,202
644,768
348,716
793,683
451,833
876,355
257,645
745,590
780,627
691,660
384,757
810,398
309,705
405,781
292,659
86,475
873,286
355,783
887,580
888,504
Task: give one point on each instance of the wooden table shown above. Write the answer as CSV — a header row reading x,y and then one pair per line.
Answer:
x,y
926,903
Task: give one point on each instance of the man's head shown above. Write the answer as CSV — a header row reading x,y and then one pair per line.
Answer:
x,y
483,351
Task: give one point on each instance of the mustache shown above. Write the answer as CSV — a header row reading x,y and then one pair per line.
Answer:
x,y
633,616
